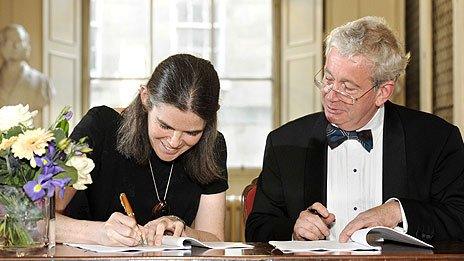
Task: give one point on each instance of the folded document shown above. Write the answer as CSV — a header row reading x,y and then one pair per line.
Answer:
x,y
168,243
359,241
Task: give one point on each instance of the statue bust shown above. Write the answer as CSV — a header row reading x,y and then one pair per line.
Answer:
x,y
20,83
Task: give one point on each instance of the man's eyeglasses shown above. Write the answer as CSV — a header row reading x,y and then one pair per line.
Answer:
x,y
344,95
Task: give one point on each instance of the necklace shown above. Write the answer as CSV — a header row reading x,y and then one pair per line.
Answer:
x,y
161,208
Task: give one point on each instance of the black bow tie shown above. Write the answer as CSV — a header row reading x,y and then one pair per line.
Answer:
x,y
336,136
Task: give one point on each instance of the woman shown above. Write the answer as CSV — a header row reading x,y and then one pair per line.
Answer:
x,y
164,152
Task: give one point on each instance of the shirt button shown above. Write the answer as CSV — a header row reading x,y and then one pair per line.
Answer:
x,y
354,170
355,208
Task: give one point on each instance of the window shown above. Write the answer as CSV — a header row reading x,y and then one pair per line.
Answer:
x,y
127,43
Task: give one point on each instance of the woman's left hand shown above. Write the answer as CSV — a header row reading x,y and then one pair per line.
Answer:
x,y
167,225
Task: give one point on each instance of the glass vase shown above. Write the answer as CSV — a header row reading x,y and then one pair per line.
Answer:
x,y
24,224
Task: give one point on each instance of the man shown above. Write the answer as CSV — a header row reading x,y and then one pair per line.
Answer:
x,y
364,161
20,83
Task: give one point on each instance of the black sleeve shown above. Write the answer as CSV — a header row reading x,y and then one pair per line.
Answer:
x,y
93,127
442,216
269,219
220,184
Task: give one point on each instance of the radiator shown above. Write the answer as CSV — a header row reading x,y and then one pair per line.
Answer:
x,y
234,227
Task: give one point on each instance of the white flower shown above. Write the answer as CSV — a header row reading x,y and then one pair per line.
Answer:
x,y
11,116
31,142
83,166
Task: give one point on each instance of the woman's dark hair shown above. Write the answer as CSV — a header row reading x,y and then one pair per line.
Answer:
x,y
190,84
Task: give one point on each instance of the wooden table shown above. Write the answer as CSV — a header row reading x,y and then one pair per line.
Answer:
x,y
262,251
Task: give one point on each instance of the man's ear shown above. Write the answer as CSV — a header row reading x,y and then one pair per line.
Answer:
x,y
384,92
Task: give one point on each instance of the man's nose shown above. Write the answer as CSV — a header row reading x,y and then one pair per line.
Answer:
x,y
332,95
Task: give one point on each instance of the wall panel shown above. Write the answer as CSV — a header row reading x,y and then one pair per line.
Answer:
x,y
62,54
301,56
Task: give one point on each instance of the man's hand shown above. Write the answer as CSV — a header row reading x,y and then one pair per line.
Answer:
x,y
311,226
387,215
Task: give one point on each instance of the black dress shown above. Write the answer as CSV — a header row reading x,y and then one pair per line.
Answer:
x,y
114,173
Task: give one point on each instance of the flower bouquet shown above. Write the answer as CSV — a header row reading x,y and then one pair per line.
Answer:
x,y
35,164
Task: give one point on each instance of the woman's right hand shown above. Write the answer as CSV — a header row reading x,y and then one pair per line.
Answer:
x,y
119,230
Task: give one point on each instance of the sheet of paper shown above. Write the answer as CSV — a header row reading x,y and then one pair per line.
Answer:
x,y
359,241
320,245
188,241
168,243
224,245
388,234
117,249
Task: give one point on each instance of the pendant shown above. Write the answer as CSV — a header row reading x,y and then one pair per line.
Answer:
x,y
160,209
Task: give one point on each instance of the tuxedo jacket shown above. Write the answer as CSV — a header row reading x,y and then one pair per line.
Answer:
x,y
423,166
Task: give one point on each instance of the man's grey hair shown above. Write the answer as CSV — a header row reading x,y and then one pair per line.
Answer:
x,y
372,38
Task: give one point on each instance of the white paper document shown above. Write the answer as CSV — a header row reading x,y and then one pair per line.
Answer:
x,y
127,249
188,241
319,245
359,241
168,243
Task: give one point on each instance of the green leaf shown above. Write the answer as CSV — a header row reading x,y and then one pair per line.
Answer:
x,y
28,172
64,126
14,131
37,173
59,135
69,172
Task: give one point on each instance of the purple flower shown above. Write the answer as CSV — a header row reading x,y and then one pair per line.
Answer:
x,y
35,189
51,149
44,185
68,115
47,165
52,169
46,161
57,183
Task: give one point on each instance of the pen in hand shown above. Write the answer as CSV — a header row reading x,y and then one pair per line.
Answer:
x,y
128,209
315,212
312,210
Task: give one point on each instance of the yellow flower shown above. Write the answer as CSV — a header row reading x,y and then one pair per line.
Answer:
x,y
6,143
30,142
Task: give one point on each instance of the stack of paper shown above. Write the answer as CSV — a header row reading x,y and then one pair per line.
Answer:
x,y
319,245
359,241
168,243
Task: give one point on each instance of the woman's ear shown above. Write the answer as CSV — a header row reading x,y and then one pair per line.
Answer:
x,y
384,92
143,91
